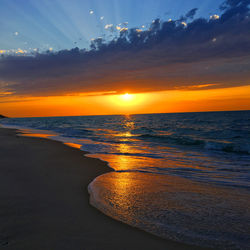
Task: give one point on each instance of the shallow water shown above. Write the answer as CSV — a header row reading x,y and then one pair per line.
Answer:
x,y
180,176
175,208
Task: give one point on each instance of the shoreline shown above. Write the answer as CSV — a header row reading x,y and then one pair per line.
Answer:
x,y
44,201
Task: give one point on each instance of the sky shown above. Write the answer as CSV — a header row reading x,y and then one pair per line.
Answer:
x,y
81,57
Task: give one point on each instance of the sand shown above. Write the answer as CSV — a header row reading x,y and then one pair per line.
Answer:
x,y
44,202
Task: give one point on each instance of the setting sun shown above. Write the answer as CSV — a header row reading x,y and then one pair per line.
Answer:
x,y
141,112
127,97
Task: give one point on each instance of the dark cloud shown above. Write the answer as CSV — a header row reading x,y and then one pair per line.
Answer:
x,y
234,4
189,15
208,53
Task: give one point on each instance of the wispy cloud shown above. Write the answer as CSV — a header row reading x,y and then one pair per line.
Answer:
x,y
108,26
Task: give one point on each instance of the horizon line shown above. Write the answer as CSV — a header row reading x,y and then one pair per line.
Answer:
x,y
210,111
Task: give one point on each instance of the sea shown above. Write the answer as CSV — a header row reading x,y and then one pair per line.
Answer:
x,y
180,176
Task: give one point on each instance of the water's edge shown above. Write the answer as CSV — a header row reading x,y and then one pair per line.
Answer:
x,y
85,154
95,193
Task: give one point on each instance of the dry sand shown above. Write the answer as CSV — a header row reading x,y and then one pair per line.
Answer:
x,y
44,203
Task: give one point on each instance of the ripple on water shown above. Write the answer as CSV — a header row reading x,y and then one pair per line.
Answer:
x,y
175,208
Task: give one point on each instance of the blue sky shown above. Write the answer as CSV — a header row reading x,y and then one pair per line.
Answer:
x,y
64,24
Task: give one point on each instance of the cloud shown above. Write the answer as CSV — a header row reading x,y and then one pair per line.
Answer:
x,y
204,53
214,17
184,24
189,15
108,26
20,51
123,29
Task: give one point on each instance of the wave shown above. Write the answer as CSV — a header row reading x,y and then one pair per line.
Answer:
x,y
147,155
229,147
73,132
190,217
171,139
142,130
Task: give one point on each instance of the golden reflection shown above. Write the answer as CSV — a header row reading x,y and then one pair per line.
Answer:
x,y
121,191
131,158
36,135
156,203
127,116
128,148
129,125
123,161
125,134
122,184
119,162
73,145
124,148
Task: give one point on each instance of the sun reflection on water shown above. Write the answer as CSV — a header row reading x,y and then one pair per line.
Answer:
x,y
73,145
34,133
170,206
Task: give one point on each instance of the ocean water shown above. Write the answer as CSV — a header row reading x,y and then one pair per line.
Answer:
x,y
182,176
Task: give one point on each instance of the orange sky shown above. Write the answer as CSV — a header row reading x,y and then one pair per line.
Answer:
x,y
237,98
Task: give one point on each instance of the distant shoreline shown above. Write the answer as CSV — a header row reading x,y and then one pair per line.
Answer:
x,y
45,205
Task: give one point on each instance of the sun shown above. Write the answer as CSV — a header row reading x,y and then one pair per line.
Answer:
x,y
126,103
127,97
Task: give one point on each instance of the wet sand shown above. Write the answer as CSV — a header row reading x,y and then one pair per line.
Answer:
x,y
44,202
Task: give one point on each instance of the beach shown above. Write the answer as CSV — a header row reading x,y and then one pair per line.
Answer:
x,y
44,202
